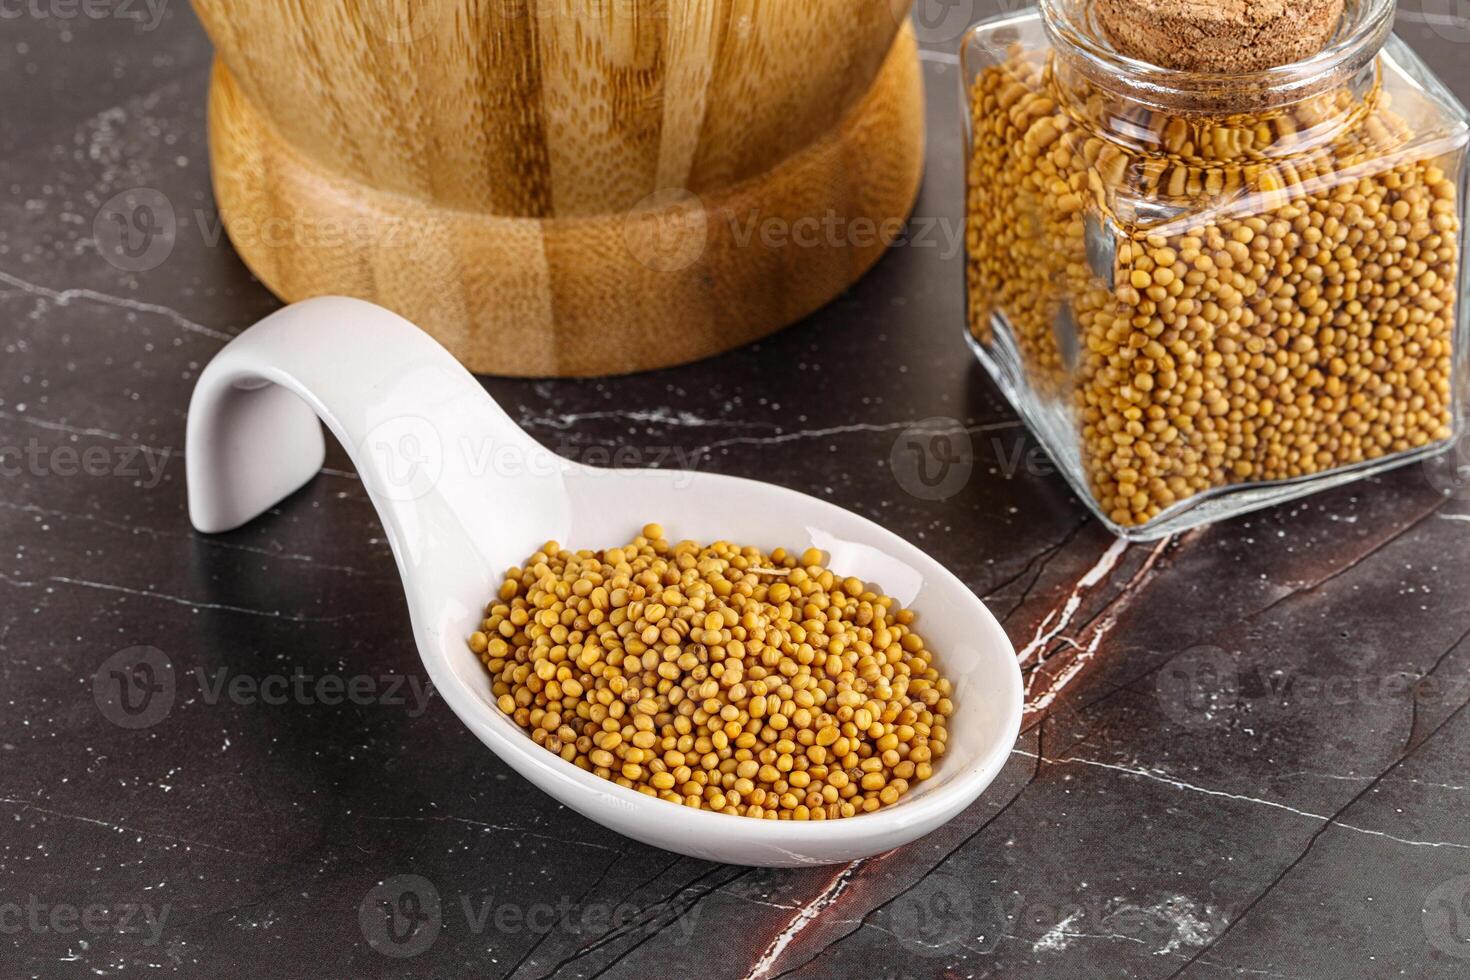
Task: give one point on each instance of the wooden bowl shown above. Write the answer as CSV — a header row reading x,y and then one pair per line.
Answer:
x,y
567,187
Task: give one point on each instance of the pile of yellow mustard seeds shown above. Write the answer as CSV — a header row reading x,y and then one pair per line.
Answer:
x,y
1309,327
717,676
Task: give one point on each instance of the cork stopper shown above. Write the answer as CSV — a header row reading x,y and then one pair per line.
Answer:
x,y
1223,36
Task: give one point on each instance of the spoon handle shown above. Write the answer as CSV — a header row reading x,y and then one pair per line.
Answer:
x,y
416,423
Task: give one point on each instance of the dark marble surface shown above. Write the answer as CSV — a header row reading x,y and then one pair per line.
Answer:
x,y
1260,769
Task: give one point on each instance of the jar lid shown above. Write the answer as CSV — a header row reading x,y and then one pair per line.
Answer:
x,y
1219,36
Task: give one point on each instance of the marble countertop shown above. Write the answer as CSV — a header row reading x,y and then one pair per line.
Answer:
x,y
1244,752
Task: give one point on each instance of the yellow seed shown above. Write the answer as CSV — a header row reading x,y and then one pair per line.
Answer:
x,y
658,666
1310,328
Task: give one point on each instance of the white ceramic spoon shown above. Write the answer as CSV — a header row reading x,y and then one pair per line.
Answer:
x,y
464,494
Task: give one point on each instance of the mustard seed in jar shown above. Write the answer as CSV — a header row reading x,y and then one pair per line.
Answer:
x,y
1210,292
718,677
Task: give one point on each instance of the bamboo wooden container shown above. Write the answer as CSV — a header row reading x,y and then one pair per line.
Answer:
x,y
566,187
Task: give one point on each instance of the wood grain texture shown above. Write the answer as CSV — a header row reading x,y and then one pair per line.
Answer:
x,y
588,193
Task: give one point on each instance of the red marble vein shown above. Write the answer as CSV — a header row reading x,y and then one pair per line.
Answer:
x,y
1083,655
804,917
1059,618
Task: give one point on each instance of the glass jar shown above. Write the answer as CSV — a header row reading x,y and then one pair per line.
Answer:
x,y
1210,293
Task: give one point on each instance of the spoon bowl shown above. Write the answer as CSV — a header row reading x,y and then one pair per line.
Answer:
x,y
464,494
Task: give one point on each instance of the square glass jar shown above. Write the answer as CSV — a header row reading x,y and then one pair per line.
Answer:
x,y
1211,293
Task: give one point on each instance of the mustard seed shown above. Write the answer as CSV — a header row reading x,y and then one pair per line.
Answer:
x,y
717,676
1295,314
